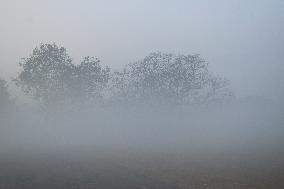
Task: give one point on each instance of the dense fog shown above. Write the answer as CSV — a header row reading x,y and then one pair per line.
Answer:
x,y
242,125
141,94
164,111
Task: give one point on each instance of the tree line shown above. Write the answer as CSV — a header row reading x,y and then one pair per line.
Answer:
x,y
50,76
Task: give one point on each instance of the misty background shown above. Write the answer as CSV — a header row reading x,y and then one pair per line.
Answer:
x,y
242,40
179,94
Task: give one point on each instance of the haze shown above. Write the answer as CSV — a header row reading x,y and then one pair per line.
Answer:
x,y
181,94
243,40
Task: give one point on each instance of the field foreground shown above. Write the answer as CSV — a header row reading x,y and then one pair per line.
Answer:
x,y
130,170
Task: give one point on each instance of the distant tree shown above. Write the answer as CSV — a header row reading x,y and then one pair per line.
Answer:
x,y
166,78
6,101
46,74
119,87
218,89
91,79
49,76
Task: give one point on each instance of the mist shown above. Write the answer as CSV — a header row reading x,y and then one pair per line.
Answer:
x,y
242,40
141,94
238,144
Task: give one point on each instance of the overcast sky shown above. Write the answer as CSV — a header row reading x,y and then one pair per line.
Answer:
x,y
242,39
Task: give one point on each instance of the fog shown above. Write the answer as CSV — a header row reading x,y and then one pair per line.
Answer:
x,y
121,147
242,40
141,94
241,126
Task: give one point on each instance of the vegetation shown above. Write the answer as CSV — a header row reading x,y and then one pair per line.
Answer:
x,y
50,76
167,78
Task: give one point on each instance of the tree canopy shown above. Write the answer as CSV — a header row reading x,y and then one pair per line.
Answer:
x,y
168,78
51,77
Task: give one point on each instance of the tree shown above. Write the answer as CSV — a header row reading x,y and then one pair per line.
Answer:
x,y
91,79
166,78
46,74
218,89
50,77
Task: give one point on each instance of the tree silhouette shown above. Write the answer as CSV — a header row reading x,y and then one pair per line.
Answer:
x,y
46,74
91,79
50,77
167,78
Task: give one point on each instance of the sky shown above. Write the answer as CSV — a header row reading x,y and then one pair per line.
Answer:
x,y
242,40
